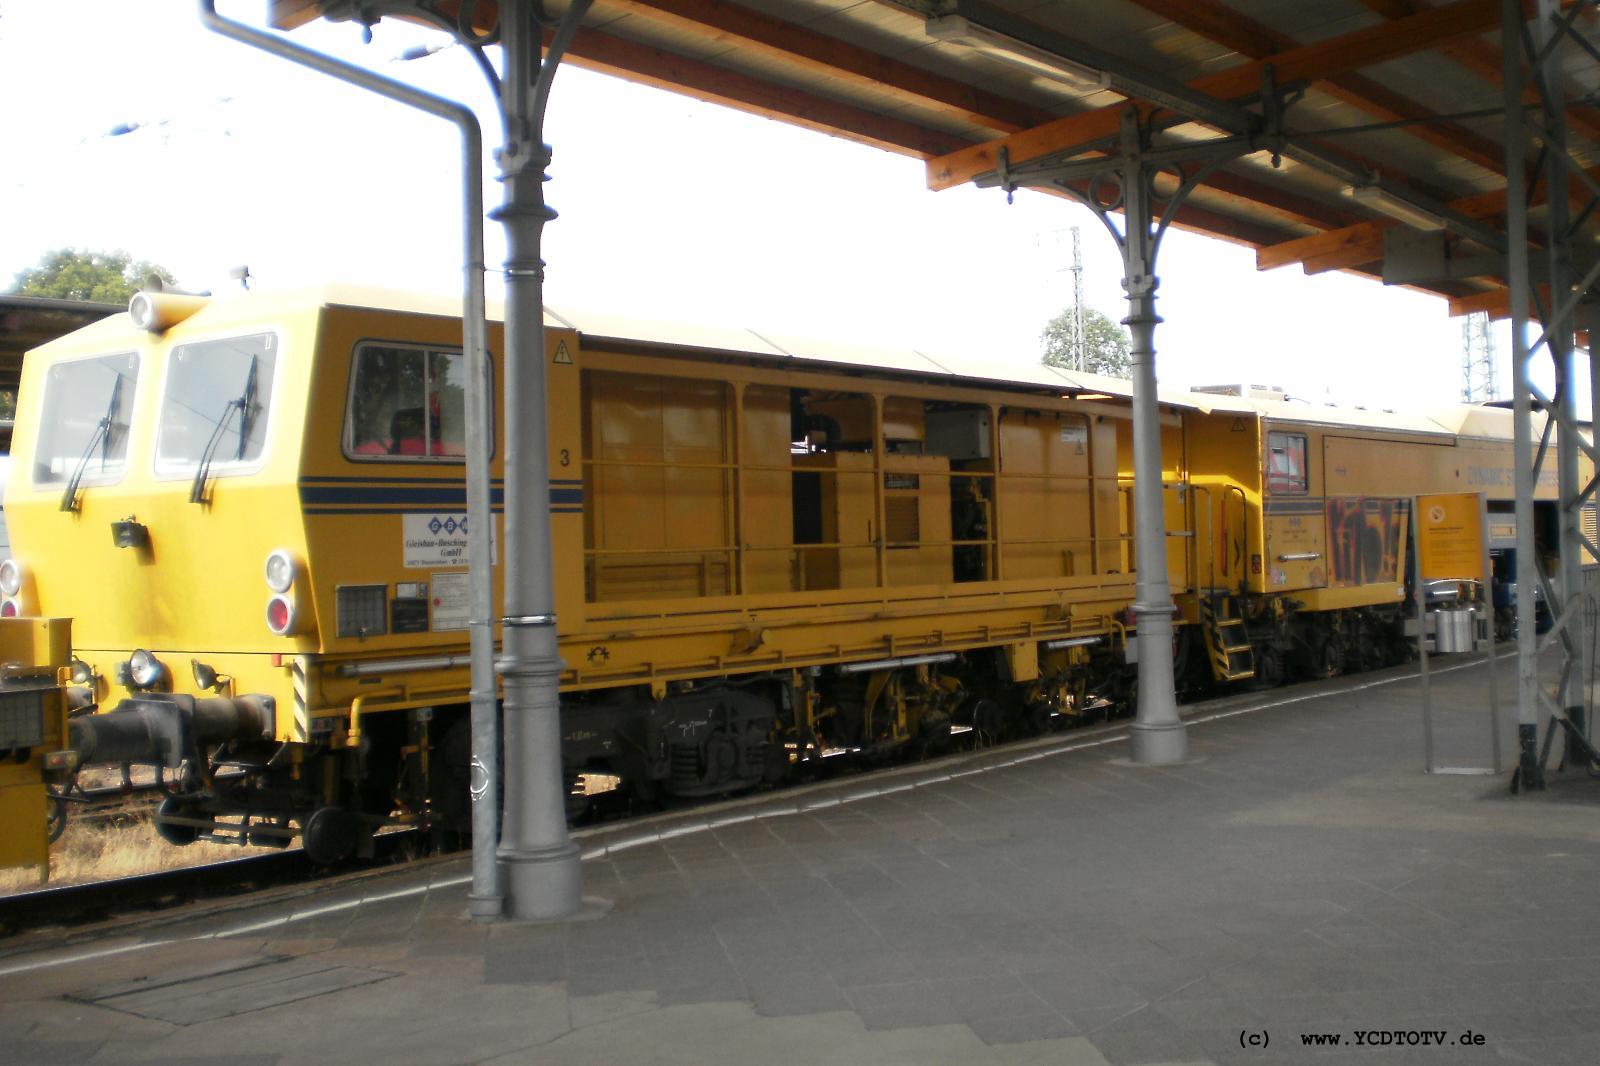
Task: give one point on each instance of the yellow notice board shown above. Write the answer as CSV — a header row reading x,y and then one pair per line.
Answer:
x,y
1450,535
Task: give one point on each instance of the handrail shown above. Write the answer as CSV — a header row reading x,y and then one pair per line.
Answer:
x,y
1244,534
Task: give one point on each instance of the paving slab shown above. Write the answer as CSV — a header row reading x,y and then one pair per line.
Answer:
x,y
1298,878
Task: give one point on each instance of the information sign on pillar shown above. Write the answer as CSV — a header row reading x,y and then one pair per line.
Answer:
x,y
1453,592
1450,539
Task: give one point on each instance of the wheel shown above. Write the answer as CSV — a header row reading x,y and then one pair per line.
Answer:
x,y
56,817
1269,668
1036,718
988,721
175,833
450,778
933,736
1325,659
330,835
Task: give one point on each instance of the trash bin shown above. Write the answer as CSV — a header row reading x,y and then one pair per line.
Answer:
x,y
1453,631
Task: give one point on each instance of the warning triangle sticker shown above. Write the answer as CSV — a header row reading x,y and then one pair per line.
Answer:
x,y
562,355
1238,423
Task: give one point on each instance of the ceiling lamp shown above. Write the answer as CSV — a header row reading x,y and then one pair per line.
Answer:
x,y
1385,202
958,29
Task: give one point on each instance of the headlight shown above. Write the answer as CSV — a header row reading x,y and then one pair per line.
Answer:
x,y
280,571
145,669
82,672
10,577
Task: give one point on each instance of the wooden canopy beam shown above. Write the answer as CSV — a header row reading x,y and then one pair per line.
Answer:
x,y
600,51
1496,303
1357,240
1481,206
609,54
1324,59
1222,25
840,60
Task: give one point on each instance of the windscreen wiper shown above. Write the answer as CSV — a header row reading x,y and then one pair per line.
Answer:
x,y
247,403
100,438
241,403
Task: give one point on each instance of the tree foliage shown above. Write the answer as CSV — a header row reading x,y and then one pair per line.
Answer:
x,y
1105,347
98,277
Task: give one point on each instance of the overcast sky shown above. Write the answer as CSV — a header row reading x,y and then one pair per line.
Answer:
x,y
669,208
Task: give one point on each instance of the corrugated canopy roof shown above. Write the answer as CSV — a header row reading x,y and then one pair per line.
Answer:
x,y
1404,93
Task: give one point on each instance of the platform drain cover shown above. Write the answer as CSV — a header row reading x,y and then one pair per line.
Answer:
x,y
227,987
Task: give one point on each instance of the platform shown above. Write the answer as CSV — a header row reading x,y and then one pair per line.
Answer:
x,y
1299,877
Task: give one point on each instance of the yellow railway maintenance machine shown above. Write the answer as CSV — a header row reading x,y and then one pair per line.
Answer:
x,y
33,736
1301,515
254,509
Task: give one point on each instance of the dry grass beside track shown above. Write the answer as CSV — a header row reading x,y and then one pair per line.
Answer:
x,y
116,847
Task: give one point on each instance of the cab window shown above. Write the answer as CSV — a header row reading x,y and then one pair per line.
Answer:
x,y
214,411
83,421
1286,463
406,404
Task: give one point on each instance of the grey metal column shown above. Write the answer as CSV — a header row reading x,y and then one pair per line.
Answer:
x,y
1522,396
1125,183
484,899
1158,734
543,877
1546,46
1559,341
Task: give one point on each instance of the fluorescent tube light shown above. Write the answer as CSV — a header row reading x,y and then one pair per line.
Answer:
x,y
1382,200
957,29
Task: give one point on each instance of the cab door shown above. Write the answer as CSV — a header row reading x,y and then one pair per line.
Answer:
x,y
1296,536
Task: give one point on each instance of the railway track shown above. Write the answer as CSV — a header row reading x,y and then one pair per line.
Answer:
x,y
101,901
145,896
148,895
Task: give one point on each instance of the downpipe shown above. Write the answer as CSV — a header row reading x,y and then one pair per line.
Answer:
x,y
485,901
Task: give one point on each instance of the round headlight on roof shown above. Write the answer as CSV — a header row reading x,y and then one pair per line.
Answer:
x,y
142,309
10,577
145,669
280,571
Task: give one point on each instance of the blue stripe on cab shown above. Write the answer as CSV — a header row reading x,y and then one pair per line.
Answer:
x,y
431,496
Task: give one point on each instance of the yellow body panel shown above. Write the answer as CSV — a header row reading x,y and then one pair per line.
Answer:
x,y
674,531
33,723
1341,542
1176,468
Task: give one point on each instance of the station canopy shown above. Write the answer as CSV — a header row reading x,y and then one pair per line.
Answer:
x,y
1373,129
28,321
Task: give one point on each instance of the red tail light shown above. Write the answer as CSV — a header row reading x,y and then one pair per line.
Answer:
x,y
8,609
280,615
